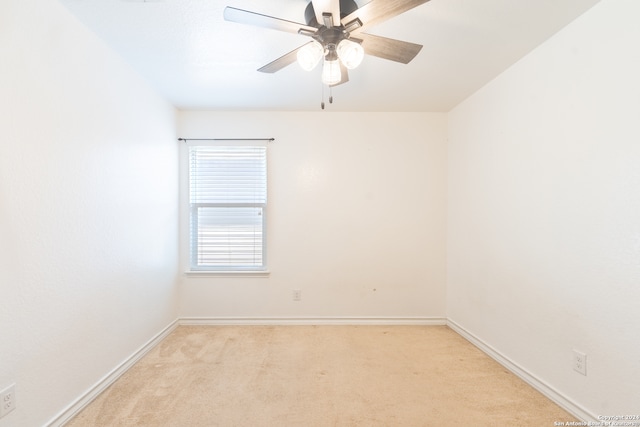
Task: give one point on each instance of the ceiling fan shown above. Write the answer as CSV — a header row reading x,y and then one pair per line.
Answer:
x,y
336,28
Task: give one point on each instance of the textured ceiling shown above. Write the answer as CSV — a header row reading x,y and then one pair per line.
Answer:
x,y
195,59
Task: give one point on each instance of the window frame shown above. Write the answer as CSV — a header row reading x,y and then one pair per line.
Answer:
x,y
195,207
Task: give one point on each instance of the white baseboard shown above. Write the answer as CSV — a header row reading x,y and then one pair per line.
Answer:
x,y
79,404
544,388
258,321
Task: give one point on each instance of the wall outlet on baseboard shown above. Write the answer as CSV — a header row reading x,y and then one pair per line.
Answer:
x,y
580,362
7,400
297,294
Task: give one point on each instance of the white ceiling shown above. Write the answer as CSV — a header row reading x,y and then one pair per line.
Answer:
x,y
197,60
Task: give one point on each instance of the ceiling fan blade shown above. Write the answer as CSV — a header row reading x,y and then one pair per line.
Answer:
x,y
344,75
282,62
327,6
391,49
251,18
377,11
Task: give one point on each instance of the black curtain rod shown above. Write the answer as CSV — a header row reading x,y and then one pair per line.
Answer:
x,y
226,139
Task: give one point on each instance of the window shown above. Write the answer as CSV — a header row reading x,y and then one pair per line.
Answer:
x,y
228,199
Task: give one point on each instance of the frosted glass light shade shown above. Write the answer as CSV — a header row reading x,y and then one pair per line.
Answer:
x,y
309,55
350,53
331,73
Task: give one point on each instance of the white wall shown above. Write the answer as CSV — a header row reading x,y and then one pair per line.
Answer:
x,y
356,217
544,209
88,210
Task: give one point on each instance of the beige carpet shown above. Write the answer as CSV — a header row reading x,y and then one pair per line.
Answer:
x,y
318,376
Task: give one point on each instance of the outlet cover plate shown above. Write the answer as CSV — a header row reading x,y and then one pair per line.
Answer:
x,y
580,362
7,400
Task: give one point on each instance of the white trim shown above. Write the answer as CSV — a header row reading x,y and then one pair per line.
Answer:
x,y
261,321
234,273
215,142
87,397
526,376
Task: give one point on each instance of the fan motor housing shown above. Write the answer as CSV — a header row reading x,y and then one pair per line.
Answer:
x,y
330,36
346,7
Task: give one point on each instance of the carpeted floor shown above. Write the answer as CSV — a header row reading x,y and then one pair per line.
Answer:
x,y
318,376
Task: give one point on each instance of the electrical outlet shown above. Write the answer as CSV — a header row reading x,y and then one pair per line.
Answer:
x,y
297,294
580,362
7,400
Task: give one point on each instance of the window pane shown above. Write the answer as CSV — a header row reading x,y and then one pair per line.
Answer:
x,y
229,237
236,174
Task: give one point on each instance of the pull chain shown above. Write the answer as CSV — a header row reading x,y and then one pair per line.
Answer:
x,y
322,105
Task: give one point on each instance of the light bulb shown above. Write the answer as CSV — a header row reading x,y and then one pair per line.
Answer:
x,y
309,55
331,73
350,53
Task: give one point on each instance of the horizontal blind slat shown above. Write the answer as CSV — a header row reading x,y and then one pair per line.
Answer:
x,y
228,174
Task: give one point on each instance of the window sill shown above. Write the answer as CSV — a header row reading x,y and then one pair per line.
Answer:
x,y
236,273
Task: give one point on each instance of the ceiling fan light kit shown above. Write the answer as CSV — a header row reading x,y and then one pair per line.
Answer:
x,y
331,73
309,55
337,31
350,53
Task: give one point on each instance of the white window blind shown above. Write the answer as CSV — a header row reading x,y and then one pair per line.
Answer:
x,y
228,199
